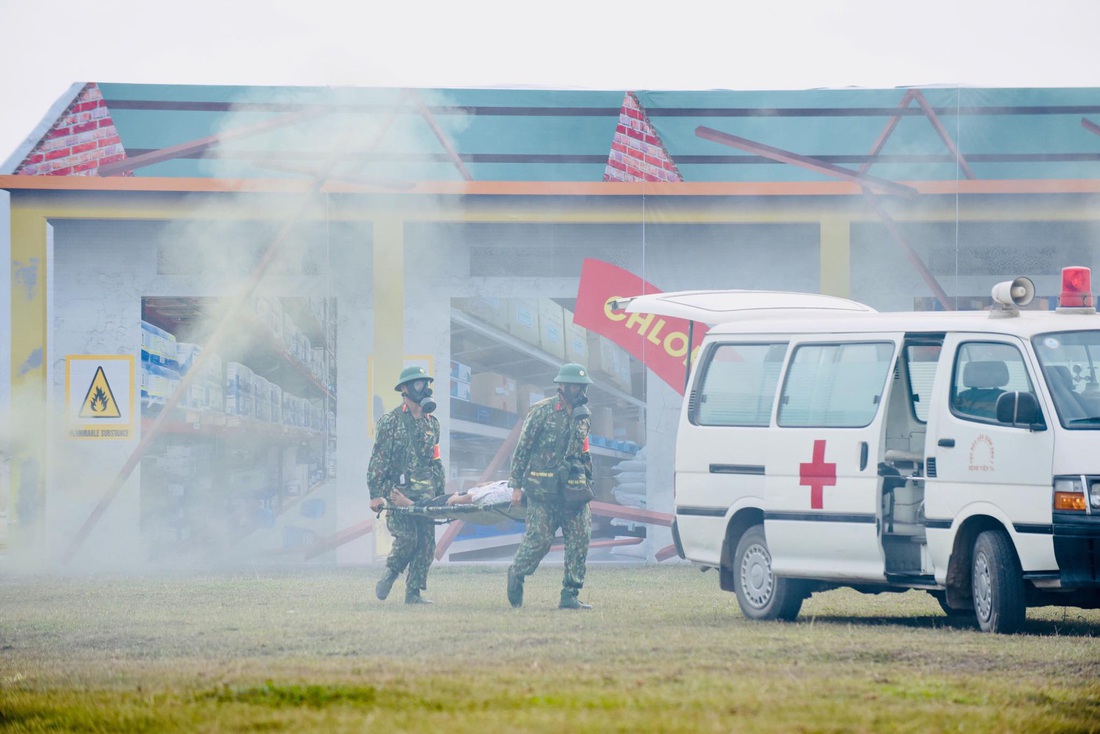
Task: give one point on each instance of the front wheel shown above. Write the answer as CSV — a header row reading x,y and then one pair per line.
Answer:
x,y
760,593
998,584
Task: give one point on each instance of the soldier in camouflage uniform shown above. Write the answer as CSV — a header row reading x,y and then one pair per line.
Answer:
x,y
405,464
554,444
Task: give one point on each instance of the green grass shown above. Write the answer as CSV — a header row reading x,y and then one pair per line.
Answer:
x,y
663,650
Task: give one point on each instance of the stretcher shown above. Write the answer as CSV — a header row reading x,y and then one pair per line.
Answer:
x,y
493,513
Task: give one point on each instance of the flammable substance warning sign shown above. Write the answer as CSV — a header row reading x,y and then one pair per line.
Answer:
x,y
100,396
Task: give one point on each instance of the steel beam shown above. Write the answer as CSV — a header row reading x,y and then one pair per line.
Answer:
x,y
202,144
802,161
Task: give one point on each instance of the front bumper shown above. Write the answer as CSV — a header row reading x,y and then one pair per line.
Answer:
x,y
1077,549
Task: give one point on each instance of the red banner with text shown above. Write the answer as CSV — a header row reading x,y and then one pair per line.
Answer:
x,y
660,342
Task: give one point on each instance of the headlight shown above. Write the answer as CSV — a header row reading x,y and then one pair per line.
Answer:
x,y
1069,494
1094,495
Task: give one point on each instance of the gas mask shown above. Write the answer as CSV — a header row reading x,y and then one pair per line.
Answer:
x,y
577,396
421,394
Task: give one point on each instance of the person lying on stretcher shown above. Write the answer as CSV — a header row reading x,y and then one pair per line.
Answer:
x,y
487,493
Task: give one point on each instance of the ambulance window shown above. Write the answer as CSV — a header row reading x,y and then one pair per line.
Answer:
x,y
1071,368
738,385
983,371
835,385
921,360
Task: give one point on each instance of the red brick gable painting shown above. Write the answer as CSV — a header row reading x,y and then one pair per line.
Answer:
x,y
83,138
637,153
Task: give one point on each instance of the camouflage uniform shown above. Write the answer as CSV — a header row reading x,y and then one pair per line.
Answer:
x,y
406,457
548,427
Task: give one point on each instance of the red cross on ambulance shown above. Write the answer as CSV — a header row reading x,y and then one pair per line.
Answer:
x,y
817,474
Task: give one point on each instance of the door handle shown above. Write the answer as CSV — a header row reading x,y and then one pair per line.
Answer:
x,y
947,443
862,455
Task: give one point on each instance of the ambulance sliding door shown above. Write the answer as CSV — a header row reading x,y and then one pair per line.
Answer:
x,y
822,505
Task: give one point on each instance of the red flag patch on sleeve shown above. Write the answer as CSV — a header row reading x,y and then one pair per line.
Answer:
x,y
585,446
435,452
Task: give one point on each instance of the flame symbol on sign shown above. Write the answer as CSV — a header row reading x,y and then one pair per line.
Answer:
x,y
98,402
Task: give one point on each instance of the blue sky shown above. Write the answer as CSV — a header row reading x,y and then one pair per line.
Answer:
x,y
782,44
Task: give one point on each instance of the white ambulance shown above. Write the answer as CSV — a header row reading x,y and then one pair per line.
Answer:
x,y
824,444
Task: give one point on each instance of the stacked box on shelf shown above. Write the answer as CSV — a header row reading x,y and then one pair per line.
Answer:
x,y
317,364
158,382
523,319
206,389
261,389
158,346
215,397
215,383
494,390
460,390
489,309
195,398
306,412
303,350
551,328
603,422
239,399
275,400
290,409
526,396
301,412
601,355
576,341
290,334
460,380
609,360
621,369
184,460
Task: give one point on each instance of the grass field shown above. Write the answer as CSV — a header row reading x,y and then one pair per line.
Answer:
x,y
663,650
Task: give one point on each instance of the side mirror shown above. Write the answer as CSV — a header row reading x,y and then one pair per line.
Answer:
x,y
1020,408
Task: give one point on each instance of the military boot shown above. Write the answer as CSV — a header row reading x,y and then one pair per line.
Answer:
x,y
413,597
382,588
569,600
515,589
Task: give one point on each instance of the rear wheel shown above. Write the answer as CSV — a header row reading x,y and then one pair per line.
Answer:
x,y
760,593
998,584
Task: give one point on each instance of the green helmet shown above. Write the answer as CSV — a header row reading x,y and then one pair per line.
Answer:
x,y
412,373
573,373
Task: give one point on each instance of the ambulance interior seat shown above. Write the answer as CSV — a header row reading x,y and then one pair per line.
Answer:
x,y
984,382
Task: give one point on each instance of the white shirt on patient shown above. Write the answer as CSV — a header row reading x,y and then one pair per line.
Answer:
x,y
491,494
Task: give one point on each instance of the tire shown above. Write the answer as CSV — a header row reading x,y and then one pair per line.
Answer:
x,y
760,594
997,584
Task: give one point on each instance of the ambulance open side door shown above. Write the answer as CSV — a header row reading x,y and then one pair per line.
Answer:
x,y
823,491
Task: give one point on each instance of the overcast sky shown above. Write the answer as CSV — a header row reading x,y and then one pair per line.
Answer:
x,y
45,47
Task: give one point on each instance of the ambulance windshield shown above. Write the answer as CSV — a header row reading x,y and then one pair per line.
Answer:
x,y
1070,361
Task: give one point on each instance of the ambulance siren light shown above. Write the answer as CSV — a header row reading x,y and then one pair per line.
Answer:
x,y
1076,288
